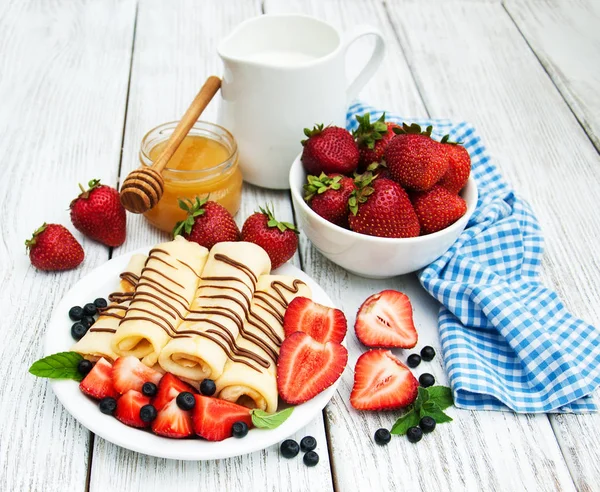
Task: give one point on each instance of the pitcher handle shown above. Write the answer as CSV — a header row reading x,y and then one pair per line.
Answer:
x,y
372,64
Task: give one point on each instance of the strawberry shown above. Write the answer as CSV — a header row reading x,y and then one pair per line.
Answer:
x,y
382,208
52,247
278,239
459,166
168,389
329,150
414,159
98,383
213,419
382,382
98,213
386,320
306,367
322,323
372,139
128,373
378,170
172,421
328,196
207,223
129,406
437,209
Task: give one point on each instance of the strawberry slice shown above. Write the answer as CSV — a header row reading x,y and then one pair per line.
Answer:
x,y
386,320
307,367
382,382
213,418
129,373
323,323
98,383
173,422
129,406
168,388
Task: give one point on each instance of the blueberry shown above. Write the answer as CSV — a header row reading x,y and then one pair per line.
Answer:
x,y
308,443
208,387
76,313
413,360
289,448
414,434
108,405
382,436
311,458
149,389
239,429
78,330
87,321
100,303
90,309
427,424
427,353
185,400
426,380
147,413
84,366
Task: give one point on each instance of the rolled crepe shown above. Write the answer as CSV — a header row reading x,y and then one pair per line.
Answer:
x,y
96,343
245,381
161,300
207,338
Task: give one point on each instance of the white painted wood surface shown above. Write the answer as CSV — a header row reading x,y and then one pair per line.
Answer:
x,y
64,78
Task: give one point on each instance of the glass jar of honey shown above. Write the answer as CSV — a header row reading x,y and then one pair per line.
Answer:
x,y
205,164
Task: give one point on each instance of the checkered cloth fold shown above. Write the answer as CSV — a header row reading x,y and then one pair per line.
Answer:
x,y
508,342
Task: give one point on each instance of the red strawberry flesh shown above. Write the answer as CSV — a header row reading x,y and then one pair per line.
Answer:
x,y
98,382
168,389
128,373
53,248
129,406
213,418
437,209
322,323
171,421
386,320
459,168
329,150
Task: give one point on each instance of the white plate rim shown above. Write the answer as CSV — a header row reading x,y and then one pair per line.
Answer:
x,y
85,410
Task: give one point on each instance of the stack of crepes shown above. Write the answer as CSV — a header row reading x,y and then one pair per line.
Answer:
x,y
201,314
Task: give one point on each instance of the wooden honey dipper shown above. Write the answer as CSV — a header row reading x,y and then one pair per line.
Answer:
x,y
144,187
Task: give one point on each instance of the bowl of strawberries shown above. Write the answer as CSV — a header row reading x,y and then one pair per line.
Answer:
x,y
382,201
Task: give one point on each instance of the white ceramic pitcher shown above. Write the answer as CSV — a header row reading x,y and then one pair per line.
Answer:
x,y
284,73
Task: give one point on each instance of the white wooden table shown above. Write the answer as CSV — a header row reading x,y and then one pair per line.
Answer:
x,y
82,80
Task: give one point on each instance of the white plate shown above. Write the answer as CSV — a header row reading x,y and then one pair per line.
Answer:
x,y
99,283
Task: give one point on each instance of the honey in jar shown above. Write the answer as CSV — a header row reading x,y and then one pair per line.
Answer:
x,y
205,164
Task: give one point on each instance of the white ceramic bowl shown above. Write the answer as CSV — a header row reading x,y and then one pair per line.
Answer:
x,y
370,256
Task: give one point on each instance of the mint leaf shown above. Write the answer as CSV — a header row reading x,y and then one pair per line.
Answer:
x,y
422,397
408,420
264,420
62,365
441,395
431,409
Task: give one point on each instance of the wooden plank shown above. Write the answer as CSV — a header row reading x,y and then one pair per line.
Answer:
x,y
565,37
64,67
464,455
175,50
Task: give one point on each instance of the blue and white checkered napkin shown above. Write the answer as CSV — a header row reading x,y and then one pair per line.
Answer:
x,y
508,342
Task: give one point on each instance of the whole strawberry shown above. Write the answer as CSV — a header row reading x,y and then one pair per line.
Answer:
x,y
437,208
372,139
382,208
329,150
278,239
52,247
328,196
414,159
98,213
459,166
207,223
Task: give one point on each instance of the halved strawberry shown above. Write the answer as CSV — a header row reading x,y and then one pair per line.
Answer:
x,y
129,406
307,367
173,422
386,320
382,382
213,419
168,388
129,373
98,383
323,323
